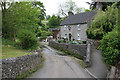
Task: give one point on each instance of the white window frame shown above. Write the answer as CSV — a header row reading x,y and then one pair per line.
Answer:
x,y
78,36
65,27
65,36
78,26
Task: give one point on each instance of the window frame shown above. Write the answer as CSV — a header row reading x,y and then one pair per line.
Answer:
x,y
65,27
78,27
78,37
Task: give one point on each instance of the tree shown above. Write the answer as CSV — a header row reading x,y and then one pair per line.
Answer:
x,y
119,16
21,15
40,5
103,23
42,13
44,34
5,19
104,4
48,17
54,21
68,6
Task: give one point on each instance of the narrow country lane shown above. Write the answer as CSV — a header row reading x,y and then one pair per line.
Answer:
x,y
56,66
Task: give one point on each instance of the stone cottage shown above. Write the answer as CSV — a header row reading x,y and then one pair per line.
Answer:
x,y
74,27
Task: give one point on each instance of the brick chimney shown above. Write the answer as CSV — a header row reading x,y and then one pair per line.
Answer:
x,y
70,13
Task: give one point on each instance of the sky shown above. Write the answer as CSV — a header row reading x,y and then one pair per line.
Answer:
x,y
52,6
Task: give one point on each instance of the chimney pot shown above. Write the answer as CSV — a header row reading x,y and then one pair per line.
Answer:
x,y
70,13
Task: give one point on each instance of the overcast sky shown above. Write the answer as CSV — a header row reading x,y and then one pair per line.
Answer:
x,y
51,6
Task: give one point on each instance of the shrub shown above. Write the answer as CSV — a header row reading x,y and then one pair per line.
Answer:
x,y
8,42
110,48
64,41
27,39
59,41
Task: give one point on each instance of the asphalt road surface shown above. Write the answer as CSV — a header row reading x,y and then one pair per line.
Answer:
x,y
56,66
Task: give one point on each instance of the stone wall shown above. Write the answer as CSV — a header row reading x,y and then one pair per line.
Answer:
x,y
114,72
13,67
94,43
73,48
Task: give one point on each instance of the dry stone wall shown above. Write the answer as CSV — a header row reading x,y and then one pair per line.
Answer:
x,y
94,43
73,48
13,67
113,73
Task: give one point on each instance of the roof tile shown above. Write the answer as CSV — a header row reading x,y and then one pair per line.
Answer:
x,y
78,18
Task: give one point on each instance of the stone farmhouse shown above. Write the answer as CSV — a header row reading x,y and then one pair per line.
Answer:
x,y
74,27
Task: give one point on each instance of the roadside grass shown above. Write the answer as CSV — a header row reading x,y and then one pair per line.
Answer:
x,y
29,73
81,62
9,52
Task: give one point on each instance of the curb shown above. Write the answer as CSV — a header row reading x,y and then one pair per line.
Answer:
x,y
91,74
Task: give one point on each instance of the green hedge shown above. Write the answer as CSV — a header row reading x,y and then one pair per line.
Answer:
x,y
110,47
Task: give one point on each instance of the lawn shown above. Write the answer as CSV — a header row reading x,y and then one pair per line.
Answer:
x,y
9,52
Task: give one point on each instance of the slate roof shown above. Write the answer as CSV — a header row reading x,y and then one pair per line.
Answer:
x,y
78,18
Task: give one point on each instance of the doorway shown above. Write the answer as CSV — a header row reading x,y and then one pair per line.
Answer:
x,y
70,36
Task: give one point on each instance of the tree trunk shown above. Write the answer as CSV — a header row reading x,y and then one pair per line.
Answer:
x,y
13,34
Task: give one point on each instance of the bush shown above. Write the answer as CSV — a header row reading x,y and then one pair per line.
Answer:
x,y
27,39
8,42
110,48
59,41
64,41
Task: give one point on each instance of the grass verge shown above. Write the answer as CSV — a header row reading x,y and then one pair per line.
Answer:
x,y
9,52
81,62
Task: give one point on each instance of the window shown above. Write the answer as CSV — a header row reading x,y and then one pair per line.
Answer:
x,y
79,37
69,28
65,27
65,36
78,26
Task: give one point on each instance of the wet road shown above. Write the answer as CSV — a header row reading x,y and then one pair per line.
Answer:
x,y
56,66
